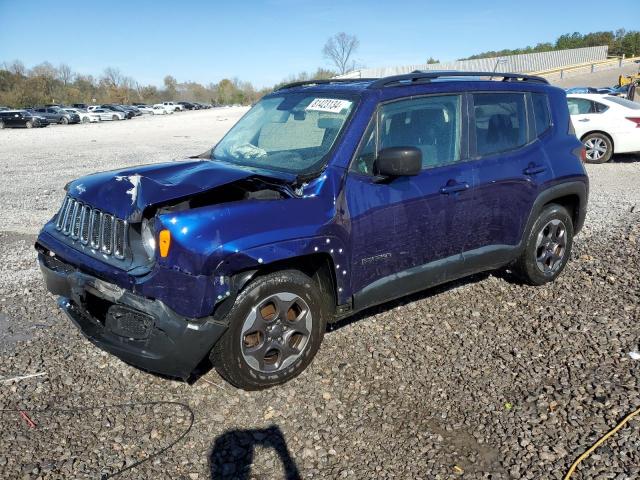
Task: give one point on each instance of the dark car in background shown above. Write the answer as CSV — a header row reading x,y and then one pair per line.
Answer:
x,y
188,105
56,115
20,119
82,106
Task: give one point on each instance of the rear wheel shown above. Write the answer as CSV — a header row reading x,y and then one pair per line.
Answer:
x,y
275,329
29,124
114,117
64,121
548,246
599,148
85,120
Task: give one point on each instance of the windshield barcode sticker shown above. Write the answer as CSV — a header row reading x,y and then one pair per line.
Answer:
x,y
331,105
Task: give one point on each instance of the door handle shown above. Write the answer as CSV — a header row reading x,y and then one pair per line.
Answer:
x,y
534,170
584,120
454,188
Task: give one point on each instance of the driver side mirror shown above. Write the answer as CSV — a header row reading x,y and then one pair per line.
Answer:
x,y
398,162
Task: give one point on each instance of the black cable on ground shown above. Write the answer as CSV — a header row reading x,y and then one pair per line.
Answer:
x,y
118,405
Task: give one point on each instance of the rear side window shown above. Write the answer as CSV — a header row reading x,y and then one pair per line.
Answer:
x,y
541,115
500,122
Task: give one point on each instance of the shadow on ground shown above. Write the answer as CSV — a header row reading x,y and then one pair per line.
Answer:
x,y
233,451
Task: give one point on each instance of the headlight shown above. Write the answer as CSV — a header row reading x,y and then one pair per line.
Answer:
x,y
148,238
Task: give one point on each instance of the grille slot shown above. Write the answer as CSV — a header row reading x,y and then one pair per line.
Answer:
x,y
101,231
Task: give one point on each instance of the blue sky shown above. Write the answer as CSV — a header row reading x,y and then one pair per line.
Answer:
x,y
266,41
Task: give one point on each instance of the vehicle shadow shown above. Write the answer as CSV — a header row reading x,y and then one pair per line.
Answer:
x,y
233,451
626,158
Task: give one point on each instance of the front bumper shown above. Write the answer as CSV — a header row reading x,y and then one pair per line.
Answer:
x,y
141,331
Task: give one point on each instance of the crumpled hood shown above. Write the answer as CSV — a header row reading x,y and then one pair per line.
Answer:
x,y
126,193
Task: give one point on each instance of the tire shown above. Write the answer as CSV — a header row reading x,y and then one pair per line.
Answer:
x,y
599,148
1,125
64,121
29,124
547,246
85,120
256,350
115,117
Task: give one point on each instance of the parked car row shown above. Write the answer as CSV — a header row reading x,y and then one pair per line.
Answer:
x,y
42,116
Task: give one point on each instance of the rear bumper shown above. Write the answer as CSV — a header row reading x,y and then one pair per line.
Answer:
x,y
141,331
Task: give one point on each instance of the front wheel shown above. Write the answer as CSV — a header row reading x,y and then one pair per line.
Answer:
x,y
64,121
599,148
547,247
275,329
115,117
86,119
1,125
29,124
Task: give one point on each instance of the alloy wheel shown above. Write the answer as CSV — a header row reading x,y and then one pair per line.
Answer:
x,y
551,246
596,148
276,332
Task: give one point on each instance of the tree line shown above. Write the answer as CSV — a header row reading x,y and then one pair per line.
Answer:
x,y
620,42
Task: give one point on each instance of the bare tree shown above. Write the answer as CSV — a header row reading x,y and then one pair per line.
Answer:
x,y
65,74
339,49
16,67
112,77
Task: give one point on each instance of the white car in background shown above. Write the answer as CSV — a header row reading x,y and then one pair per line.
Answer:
x,y
85,116
106,114
605,124
173,106
160,109
145,109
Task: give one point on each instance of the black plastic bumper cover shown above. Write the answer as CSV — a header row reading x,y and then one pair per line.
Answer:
x,y
174,345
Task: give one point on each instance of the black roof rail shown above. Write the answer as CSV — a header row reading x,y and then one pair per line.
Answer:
x,y
323,82
428,75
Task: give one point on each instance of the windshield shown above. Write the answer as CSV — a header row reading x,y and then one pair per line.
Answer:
x,y
290,133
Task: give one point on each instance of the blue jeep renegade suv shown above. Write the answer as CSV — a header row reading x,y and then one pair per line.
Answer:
x,y
326,198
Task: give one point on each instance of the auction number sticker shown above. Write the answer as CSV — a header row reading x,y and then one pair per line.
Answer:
x,y
331,105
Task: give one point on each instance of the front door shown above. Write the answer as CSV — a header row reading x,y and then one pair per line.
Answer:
x,y
398,225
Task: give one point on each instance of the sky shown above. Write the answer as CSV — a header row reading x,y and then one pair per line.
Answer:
x,y
267,41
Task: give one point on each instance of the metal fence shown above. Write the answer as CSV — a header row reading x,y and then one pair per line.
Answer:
x,y
528,62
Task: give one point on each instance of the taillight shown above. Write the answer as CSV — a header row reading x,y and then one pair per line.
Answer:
x,y
580,152
635,120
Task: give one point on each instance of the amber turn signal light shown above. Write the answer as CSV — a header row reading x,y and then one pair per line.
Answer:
x,y
164,241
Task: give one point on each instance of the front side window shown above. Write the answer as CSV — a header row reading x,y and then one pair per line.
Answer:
x,y
500,122
431,124
291,133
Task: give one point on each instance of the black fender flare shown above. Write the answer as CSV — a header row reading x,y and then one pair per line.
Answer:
x,y
577,188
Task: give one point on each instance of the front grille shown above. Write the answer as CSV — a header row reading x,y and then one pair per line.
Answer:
x,y
101,231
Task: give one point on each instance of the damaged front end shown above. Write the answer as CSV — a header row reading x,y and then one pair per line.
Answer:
x,y
99,255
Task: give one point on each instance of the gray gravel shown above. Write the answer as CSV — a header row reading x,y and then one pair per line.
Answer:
x,y
483,378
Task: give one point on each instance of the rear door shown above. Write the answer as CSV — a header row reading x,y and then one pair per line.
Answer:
x,y
510,168
407,222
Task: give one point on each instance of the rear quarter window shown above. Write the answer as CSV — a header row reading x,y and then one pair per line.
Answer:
x,y
541,114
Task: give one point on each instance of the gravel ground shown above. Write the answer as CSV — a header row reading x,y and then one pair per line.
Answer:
x,y
483,378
